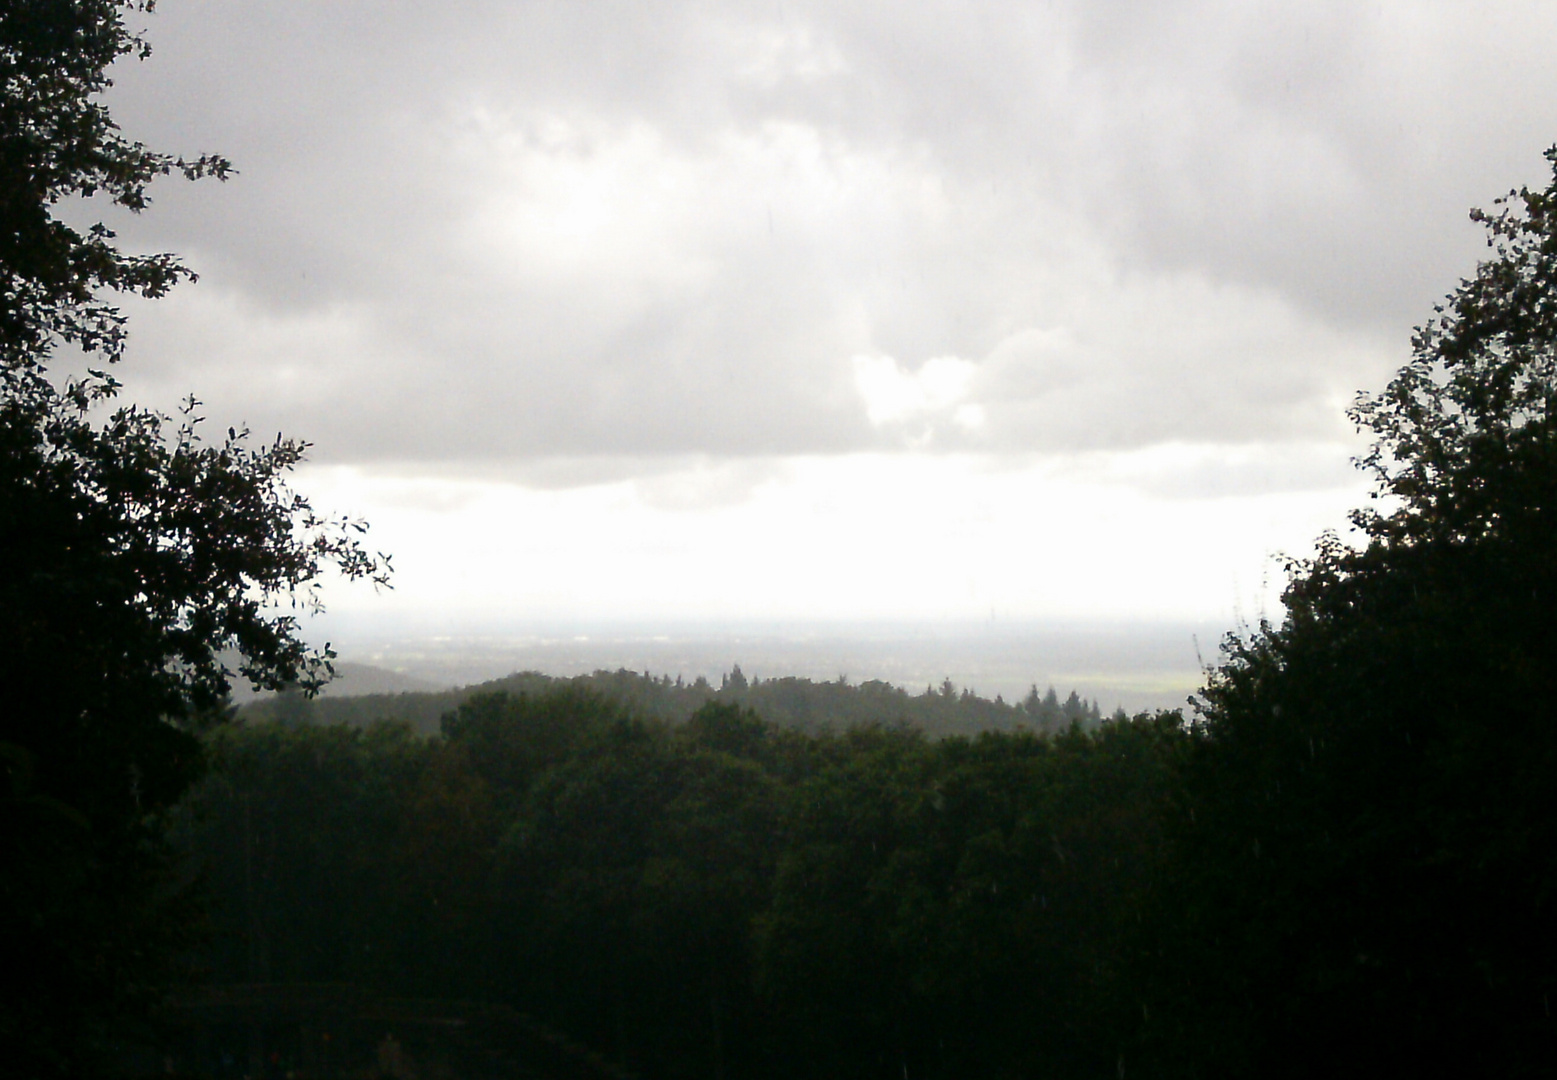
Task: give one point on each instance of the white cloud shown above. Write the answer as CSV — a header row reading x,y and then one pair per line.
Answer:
x,y
609,273
768,56
895,396
598,230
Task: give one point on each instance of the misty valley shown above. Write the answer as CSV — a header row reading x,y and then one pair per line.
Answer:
x,y
514,321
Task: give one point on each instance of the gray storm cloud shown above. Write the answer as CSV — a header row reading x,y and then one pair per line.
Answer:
x,y
493,231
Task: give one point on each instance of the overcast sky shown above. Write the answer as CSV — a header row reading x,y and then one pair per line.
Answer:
x,y
912,310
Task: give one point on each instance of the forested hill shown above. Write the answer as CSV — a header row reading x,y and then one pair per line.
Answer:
x,y
790,702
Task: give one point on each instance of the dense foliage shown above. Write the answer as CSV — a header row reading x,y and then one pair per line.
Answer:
x,y
137,560
1367,853
722,896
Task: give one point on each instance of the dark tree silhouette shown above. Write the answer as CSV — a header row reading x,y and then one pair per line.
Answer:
x,y
58,141
136,557
1369,839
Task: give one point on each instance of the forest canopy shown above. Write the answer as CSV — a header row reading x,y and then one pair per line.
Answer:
x,y
788,701
716,896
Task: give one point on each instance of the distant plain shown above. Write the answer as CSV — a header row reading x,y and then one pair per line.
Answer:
x,y
1137,666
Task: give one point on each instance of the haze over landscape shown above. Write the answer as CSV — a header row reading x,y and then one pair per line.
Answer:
x,y
820,448
757,326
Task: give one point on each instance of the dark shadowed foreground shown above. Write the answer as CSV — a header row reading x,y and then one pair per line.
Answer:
x,y
337,1029
718,896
